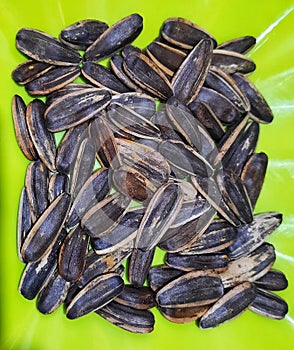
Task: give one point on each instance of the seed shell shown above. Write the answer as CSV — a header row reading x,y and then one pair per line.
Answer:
x,y
24,221
240,45
139,266
141,298
273,280
28,71
232,62
58,184
159,276
184,314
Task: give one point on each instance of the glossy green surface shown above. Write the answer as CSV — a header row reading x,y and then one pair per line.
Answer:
x,y
22,326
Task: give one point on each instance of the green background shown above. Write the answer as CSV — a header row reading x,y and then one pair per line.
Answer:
x,y
22,326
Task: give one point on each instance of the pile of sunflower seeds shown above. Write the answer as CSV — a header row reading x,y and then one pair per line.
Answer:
x,y
157,150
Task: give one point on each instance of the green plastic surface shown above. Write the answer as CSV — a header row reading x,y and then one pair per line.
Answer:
x,y
22,327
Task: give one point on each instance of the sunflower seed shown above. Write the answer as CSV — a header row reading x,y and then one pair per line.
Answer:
x,y
167,132
240,45
95,295
71,87
82,34
28,71
115,38
141,298
232,304
194,288
43,139
24,221
184,33
75,108
45,231
272,280
184,314
139,266
128,318
129,49
231,62
159,276
58,184
45,48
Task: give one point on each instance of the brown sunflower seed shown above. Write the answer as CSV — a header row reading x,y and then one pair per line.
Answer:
x,y
103,77
253,175
94,190
24,221
218,236
231,62
82,166
124,233
232,304
147,75
273,280
167,58
45,48
184,314
97,293
72,255
225,111
75,108
28,71
97,265
115,38
250,267
22,134
82,34
43,139
185,158
105,215
251,236
204,114
159,276
269,305
45,231
240,45
139,266
37,273
260,109
190,76
58,184
194,288
128,318
224,84
36,183
159,215
52,294
184,33
145,160
141,298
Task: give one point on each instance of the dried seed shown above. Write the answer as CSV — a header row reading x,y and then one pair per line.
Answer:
x,y
71,87
58,184
218,236
129,49
253,175
94,190
147,75
184,33
231,62
103,77
115,38
141,298
250,267
37,273
272,280
24,221
52,294
159,276
43,139
184,314
251,236
128,318
95,295
45,48
36,183
82,166
68,147
139,266
75,108
124,233
232,304
82,34
269,305
28,71
191,74
185,158
22,134
167,58
240,45
194,288
45,231
260,109
105,215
